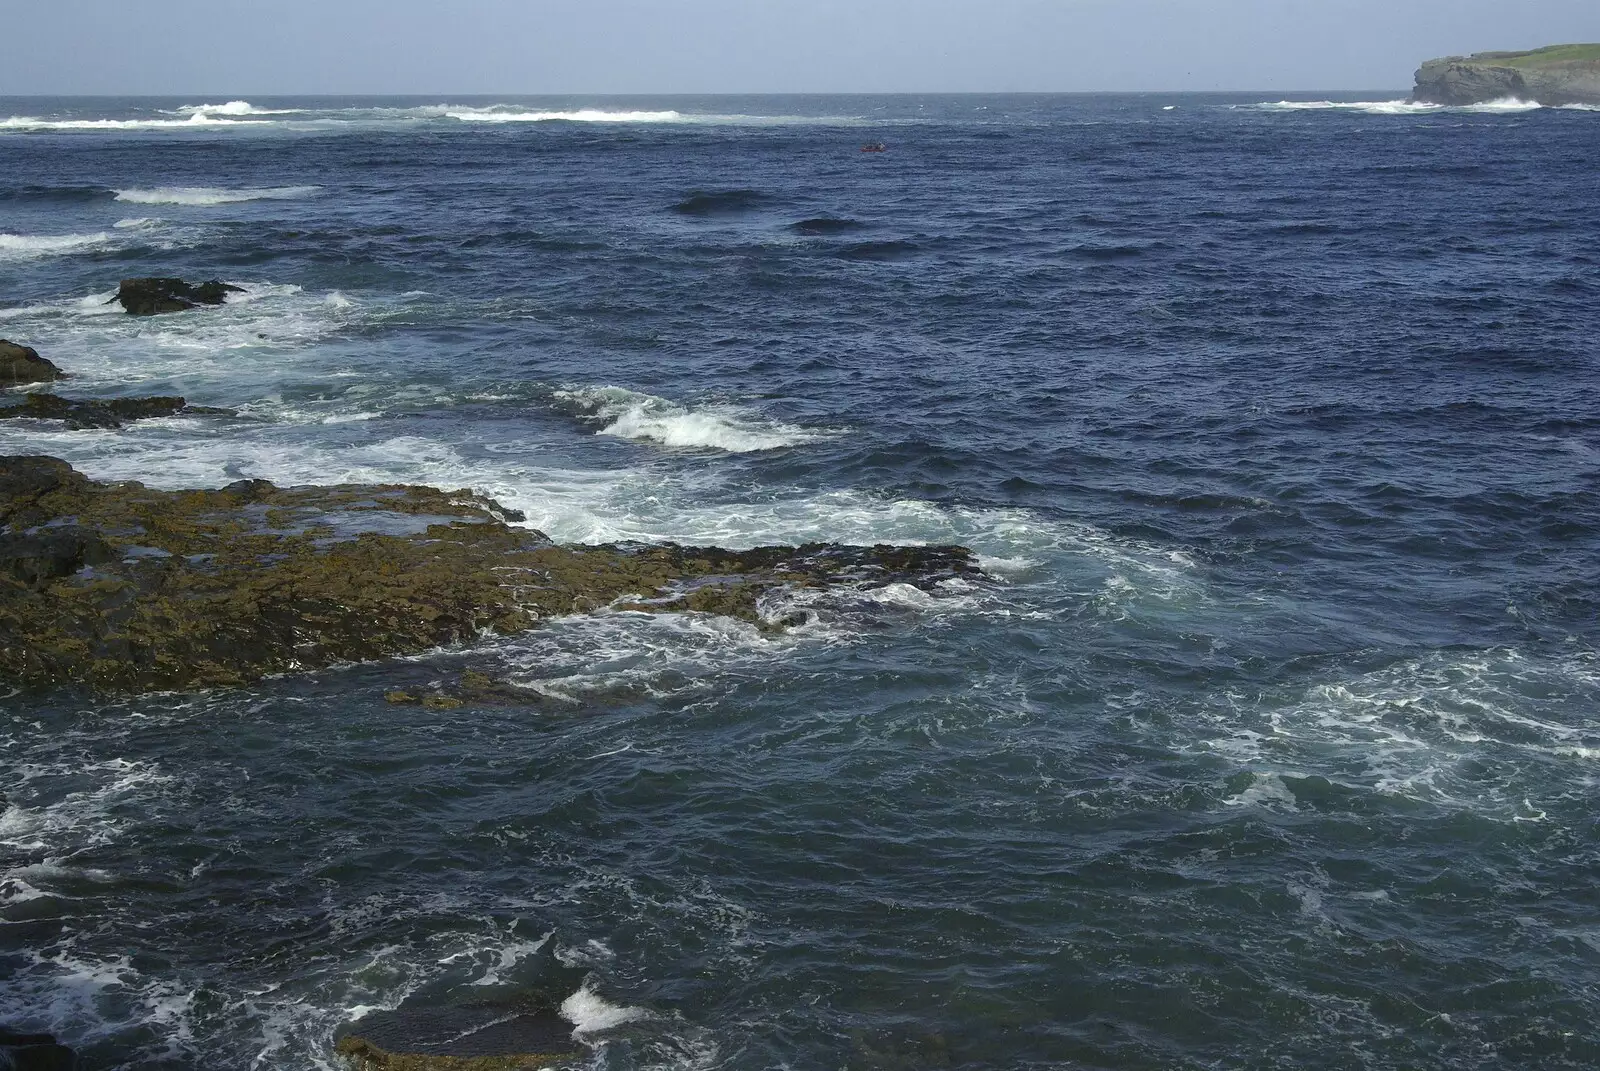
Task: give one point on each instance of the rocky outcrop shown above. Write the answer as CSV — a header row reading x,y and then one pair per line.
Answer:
x,y
111,413
472,1037
1555,76
22,364
121,587
34,1052
475,688
149,297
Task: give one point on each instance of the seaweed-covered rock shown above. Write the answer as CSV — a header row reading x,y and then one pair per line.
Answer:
x,y
152,296
34,1052
192,589
475,688
22,364
471,1037
111,413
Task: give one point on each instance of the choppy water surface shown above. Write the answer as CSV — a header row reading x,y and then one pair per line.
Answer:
x,y
1275,743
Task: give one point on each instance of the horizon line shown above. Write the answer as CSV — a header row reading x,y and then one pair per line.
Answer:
x,y
239,94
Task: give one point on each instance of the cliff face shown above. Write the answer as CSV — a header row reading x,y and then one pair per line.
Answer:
x,y
1554,76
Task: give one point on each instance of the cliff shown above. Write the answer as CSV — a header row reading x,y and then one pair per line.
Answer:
x,y
1554,76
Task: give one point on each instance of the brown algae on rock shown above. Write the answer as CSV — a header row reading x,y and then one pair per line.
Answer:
x,y
125,588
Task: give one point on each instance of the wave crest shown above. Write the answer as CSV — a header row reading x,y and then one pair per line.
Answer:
x,y
1507,106
628,414
28,246
212,195
234,107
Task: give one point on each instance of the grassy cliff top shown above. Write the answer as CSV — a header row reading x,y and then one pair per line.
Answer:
x,y
1540,57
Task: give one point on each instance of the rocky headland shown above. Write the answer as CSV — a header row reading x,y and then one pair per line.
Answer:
x,y
1556,76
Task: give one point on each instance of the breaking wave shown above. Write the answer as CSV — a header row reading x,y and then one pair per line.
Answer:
x,y
199,119
28,246
499,114
212,195
628,414
1508,106
235,107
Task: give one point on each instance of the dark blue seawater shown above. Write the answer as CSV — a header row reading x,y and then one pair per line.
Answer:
x,y
1275,741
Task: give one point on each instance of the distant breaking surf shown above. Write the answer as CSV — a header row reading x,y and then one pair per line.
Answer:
x,y
582,115
1509,106
212,195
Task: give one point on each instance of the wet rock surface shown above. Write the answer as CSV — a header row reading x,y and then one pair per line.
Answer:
x,y
153,296
121,587
81,414
470,1037
22,364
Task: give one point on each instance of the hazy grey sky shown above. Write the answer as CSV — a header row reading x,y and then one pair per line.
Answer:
x,y
242,47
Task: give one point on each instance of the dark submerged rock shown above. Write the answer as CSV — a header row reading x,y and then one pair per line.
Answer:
x,y
34,1052
112,413
195,589
826,225
22,364
471,1037
152,296
719,203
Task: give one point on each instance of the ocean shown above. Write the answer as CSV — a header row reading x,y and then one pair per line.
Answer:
x,y
1272,738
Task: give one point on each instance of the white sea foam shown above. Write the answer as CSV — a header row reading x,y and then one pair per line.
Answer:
x,y
581,115
30,246
591,1013
1507,106
1265,790
235,107
78,819
212,195
1485,731
628,414
198,120
242,116
104,348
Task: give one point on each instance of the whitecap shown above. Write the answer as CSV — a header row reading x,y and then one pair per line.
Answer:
x,y
628,414
1505,105
199,119
29,246
201,196
590,1013
1265,790
234,107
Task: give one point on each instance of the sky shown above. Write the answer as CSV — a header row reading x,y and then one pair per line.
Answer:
x,y
280,47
